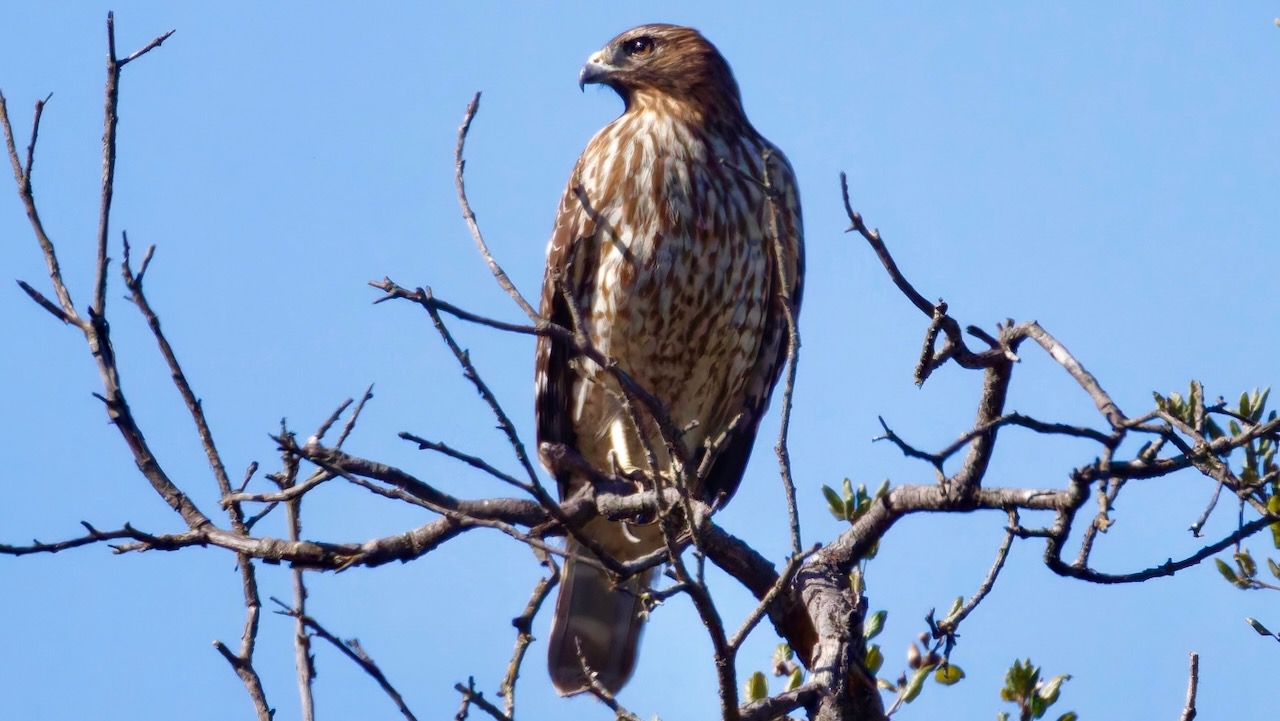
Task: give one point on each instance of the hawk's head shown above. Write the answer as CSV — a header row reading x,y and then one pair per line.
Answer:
x,y
663,62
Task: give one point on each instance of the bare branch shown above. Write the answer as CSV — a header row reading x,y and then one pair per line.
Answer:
x,y
1059,353
891,266
352,650
304,662
765,603
22,176
93,536
909,450
524,630
194,407
473,461
242,662
1168,568
470,216
776,707
504,421
45,303
110,120
1193,680
328,422
355,417
472,697
786,297
605,696
947,626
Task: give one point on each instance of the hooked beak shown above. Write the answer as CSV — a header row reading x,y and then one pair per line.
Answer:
x,y
597,70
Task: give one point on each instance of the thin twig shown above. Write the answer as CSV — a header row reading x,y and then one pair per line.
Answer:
x,y
473,461
242,662
776,707
947,626
472,697
602,693
1193,680
352,650
295,491
45,303
873,237
333,418
355,416
304,661
524,630
25,192
762,607
194,407
504,421
787,298
907,449
459,165
93,536
1018,419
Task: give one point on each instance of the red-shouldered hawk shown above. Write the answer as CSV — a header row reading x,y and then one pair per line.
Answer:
x,y
664,240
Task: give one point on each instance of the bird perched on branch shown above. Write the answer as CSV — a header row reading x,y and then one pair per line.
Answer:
x,y
678,247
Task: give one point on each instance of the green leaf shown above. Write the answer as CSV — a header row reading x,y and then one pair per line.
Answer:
x,y
875,659
835,504
756,688
955,606
1248,568
885,685
916,683
1226,572
1273,507
1212,429
1049,692
782,654
874,625
1002,716
795,679
1244,405
948,675
1033,679
1195,399
856,583
883,489
1262,630
1275,569
1069,716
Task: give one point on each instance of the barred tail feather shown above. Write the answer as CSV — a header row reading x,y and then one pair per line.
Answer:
x,y
597,623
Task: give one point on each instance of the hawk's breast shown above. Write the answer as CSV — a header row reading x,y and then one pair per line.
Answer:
x,y
684,266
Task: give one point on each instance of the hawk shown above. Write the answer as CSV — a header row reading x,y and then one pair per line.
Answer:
x,y
663,248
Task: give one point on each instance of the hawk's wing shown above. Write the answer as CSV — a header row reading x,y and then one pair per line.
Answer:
x,y
570,258
730,461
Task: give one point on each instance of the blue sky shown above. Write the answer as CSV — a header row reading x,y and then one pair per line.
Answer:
x,y
1111,171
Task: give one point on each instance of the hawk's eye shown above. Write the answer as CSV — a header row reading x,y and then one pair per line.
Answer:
x,y
638,46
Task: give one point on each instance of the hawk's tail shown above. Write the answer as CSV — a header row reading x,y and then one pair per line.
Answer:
x,y
596,622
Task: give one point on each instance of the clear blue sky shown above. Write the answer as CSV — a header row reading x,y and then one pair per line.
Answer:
x,y
1111,171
